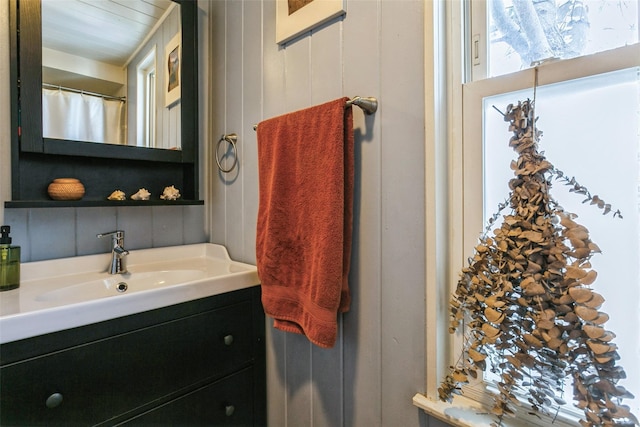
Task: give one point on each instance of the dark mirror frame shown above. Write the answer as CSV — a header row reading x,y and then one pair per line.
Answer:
x,y
102,168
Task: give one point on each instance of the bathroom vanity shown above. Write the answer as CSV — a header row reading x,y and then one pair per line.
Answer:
x,y
200,361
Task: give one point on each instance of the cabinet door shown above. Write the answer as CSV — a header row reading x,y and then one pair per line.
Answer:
x,y
227,402
128,373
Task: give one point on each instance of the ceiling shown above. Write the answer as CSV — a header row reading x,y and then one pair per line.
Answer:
x,y
102,30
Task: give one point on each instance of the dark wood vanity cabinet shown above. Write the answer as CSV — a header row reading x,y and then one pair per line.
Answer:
x,y
200,363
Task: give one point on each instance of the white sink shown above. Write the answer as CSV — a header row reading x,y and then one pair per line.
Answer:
x,y
115,285
70,292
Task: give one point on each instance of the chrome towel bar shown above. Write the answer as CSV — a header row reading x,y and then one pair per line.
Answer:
x,y
368,104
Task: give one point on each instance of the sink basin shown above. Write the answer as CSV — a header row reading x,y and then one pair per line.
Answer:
x,y
116,285
64,293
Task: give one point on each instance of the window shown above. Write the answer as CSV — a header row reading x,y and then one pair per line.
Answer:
x,y
573,147
582,97
146,101
521,33
588,106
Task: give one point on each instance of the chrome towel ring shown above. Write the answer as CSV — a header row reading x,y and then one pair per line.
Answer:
x,y
231,139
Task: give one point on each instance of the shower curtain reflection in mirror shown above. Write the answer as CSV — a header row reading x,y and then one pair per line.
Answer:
x,y
82,117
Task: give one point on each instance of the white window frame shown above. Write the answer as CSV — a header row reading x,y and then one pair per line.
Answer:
x,y
454,183
146,100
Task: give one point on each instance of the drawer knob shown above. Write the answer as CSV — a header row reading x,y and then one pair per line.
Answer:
x,y
54,400
229,410
228,339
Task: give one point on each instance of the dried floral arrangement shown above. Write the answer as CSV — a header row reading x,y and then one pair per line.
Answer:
x,y
527,302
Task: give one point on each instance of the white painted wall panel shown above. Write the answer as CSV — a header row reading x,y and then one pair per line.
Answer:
x,y
252,58
363,362
325,64
377,365
233,124
402,191
217,121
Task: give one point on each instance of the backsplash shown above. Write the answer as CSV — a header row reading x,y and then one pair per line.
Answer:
x,y
44,233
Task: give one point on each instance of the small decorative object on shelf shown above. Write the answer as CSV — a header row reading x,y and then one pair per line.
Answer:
x,y
117,195
170,193
142,194
66,189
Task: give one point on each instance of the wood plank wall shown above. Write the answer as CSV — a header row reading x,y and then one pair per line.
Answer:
x,y
369,378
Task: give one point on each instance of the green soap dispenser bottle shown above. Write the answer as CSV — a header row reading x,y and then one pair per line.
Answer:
x,y
9,261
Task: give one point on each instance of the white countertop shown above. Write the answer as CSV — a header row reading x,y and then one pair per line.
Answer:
x,y
60,294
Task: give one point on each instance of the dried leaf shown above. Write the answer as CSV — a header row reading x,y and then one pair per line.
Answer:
x,y
594,418
490,331
566,221
621,411
533,341
589,278
606,386
559,400
581,295
602,318
476,356
514,361
459,377
581,253
554,343
586,313
564,299
594,247
532,267
596,301
604,359
623,393
570,318
545,324
493,316
578,232
599,348
575,334
575,272
533,289
533,236
527,281
593,331
555,332
607,337
493,301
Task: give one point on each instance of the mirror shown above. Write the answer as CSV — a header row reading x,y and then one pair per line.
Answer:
x,y
36,160
111,72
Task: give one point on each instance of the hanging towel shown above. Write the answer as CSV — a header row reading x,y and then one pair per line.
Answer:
x,y
305,215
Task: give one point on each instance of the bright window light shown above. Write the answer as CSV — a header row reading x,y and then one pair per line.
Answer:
x,y
591,130
524,32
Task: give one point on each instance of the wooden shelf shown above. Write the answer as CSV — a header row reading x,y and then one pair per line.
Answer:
x,y
96,203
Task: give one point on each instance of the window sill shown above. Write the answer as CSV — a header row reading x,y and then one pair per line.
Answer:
x,y
465,412
462,412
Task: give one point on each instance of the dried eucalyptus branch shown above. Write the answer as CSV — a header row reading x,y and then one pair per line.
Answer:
x,y
527,303
581,189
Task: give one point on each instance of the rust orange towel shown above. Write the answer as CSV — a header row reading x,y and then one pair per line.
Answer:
x,y
305,214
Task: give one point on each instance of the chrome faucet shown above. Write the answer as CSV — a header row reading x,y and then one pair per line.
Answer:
x,y
118,252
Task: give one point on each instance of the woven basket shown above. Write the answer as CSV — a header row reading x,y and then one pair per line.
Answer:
x,y
66,189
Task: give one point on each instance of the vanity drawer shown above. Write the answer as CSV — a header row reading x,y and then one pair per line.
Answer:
x,y
227,402
94,382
